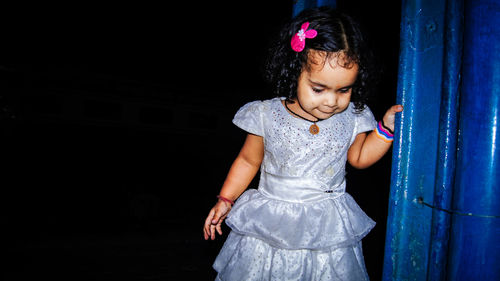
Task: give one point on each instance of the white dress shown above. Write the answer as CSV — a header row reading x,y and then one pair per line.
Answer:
x,y
299,224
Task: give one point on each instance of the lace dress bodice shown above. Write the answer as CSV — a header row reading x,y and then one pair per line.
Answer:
x,y
292,153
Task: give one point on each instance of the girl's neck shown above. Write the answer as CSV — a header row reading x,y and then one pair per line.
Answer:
x,y
297,109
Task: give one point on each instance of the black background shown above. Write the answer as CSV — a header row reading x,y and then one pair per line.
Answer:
x,y
116,132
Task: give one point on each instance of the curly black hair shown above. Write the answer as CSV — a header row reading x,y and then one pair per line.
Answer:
x,y
337,34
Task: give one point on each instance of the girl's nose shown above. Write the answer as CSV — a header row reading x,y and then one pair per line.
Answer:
x,y
331,100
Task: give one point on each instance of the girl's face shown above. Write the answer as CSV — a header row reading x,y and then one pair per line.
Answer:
x,y
325,87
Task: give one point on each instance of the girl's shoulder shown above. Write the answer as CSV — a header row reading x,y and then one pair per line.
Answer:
x,y
250,117
364,119
264,103
260,106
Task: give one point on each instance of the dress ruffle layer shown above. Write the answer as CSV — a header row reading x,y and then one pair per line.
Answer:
x,y
251,259
323,225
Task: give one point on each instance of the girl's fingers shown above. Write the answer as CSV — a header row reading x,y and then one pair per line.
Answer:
x,y
208,223
212,224
397,108
205,234
220,214
213,227
219,224
210,216
389,116
214,221
393,110
216,217
219,229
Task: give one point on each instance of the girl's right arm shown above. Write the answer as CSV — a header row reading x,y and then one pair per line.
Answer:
x,y
243,170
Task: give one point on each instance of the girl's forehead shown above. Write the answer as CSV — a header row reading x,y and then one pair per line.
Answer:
x,y
332,71
316,60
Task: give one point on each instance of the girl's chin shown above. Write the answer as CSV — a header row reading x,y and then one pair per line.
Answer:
x,y
324,115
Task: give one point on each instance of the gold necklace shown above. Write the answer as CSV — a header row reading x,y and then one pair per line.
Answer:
x,y
313,129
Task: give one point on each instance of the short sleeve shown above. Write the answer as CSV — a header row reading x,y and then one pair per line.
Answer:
x,y
364,121
250,118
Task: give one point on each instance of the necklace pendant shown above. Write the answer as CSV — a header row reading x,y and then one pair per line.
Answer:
x,y
314,129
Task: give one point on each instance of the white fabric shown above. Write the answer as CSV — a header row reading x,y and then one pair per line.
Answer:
x,y
300,224
252,259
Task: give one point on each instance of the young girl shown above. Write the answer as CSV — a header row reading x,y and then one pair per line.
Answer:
x,y
301,224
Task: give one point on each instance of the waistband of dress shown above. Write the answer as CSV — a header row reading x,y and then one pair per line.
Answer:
x,y
299,189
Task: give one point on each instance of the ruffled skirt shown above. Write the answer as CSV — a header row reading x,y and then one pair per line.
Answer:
x,y
279,240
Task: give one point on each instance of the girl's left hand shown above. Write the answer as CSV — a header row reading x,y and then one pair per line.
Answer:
x,y
389,116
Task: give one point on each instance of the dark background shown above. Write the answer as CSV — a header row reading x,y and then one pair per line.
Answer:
x,y
116,133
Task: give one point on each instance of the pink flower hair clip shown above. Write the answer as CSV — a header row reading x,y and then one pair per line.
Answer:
x,y
299,39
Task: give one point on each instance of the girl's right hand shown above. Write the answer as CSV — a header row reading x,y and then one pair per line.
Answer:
x,y
390,116
215,218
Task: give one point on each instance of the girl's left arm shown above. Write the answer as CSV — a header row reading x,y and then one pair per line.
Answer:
x,y
367,148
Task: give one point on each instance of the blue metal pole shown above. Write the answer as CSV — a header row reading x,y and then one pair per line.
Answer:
x,y
416,141
300,5
447,144
475,241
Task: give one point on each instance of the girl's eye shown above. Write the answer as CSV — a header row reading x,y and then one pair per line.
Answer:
x,y
345,90
317,90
